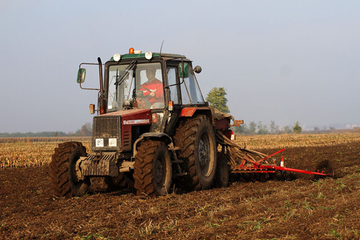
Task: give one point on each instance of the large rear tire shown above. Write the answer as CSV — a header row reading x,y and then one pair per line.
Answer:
x,y
152,169
196,139
63,170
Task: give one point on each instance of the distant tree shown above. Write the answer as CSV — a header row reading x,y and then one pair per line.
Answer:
x,y
216,98
297,128
31,134
242,129
86,130
272,127
278,130
287,129
316,128
252,127
262,129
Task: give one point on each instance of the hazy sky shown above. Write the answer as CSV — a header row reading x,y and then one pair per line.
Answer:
x,y
284,61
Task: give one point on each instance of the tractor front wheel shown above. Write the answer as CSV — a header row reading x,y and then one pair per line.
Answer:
x,y
152,169
63,170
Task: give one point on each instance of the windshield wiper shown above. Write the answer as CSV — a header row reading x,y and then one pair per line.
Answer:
x,y
125,73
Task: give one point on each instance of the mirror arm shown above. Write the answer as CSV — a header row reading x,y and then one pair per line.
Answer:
x,y
85,88
102,93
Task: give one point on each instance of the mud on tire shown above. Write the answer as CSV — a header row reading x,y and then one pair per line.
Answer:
x,y
152,169
62,170
196,139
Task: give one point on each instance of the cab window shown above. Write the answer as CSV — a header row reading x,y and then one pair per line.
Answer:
x,y
190,91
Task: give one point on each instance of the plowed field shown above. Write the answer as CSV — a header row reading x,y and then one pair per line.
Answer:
x,y
299,209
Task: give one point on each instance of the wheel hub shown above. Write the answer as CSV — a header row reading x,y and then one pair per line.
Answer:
x,y
204,153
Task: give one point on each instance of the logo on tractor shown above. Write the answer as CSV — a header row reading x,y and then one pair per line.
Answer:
x,y
136,122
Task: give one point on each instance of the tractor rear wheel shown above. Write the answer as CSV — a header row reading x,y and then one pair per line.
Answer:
x,y
63,170
196,139
152,169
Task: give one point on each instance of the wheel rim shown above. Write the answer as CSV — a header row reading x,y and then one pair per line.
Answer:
x,y
204,154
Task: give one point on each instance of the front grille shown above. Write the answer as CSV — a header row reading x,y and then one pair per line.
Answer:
x,y
105,128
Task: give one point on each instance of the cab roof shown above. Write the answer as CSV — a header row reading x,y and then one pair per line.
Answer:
x,y
168,56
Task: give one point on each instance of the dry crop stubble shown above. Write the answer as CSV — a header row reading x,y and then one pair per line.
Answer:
x,y
300,209
29,152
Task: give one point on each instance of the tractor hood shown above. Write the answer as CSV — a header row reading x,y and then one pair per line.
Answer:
x,y
112,131
126,113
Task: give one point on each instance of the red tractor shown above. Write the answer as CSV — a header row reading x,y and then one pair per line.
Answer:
x,y
153,129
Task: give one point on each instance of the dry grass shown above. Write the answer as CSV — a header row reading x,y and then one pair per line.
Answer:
x,y
296,140
26,152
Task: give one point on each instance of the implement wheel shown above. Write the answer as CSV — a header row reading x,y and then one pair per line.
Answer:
x,y
63,173
196,139
152,169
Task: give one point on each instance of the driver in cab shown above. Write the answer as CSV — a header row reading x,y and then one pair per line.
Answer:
x,y
153,90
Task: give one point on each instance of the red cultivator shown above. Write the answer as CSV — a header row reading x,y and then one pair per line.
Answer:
x,y
250,166
253,163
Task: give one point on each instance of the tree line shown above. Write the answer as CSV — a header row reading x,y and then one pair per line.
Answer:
x,y
85,130
261,129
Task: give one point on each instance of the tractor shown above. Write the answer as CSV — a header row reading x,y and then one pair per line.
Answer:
x,y
152,129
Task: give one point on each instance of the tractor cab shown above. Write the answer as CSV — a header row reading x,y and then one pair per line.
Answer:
x,y
141,93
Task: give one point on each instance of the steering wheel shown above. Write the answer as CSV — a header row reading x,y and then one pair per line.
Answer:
x,y
145,88
140,93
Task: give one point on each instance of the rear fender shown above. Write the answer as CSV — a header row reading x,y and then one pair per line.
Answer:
x,y
191,111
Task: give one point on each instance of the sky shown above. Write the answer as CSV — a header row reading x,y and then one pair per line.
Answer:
x,y
279,60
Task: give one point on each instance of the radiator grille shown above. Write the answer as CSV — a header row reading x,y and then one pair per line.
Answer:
x,y
105,127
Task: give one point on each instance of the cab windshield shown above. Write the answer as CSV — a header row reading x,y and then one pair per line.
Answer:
x,y
135,86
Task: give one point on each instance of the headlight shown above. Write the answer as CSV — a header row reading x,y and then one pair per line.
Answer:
x,y
112,142
116,57
99,142
148,55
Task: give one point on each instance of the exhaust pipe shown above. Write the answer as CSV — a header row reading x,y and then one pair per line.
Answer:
x,y
102,97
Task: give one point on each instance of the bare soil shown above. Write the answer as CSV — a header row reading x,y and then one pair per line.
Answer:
x,y
297,209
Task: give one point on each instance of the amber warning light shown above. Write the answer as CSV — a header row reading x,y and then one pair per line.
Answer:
x,y
131,50
171,105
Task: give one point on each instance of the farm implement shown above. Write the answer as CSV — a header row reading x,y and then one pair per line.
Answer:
x,y
256,165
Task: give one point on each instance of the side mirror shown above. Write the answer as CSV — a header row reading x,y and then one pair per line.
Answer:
x,y
81,75
183,70
197,69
